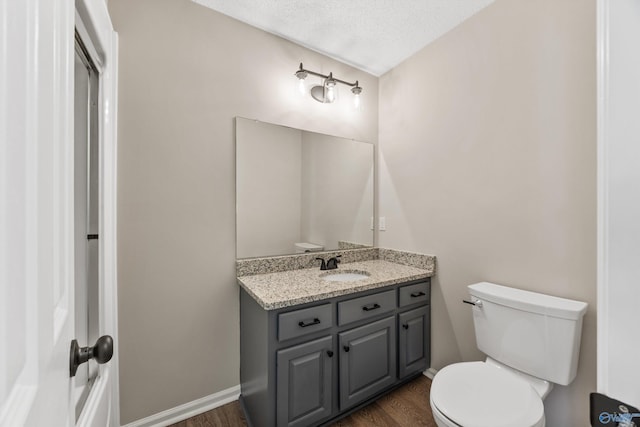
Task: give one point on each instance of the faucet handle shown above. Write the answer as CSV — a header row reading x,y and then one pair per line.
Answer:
x,y
323,266
332,263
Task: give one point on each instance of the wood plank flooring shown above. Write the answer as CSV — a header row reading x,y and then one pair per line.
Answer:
x,y
407,406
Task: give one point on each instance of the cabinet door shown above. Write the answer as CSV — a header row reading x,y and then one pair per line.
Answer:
x,y
413,341
367,360
304,383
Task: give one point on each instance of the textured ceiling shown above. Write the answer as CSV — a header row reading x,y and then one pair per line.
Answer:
x,y
372,35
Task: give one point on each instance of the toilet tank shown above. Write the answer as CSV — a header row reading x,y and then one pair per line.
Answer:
x,y
303,247
534,333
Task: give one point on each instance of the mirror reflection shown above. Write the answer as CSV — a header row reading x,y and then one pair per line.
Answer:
x,y
299,191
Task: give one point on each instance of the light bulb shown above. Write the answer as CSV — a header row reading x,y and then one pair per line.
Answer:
x,y
357,90
301,74
330,88
331,93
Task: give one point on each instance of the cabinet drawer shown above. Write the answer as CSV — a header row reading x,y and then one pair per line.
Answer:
x,y
412,294
365,307
305,321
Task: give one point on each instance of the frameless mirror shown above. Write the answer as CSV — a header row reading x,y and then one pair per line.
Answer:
x,y
299,191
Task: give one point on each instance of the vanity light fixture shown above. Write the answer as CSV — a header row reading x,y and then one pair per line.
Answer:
x,y
327,91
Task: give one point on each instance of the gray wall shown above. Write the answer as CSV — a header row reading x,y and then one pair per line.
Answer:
x,y
488,160
185,73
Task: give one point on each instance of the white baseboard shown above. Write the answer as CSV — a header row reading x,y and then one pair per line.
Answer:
x,y
189,409
430,373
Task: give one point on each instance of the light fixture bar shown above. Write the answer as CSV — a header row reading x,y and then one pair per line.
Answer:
x,y
301,75
326,93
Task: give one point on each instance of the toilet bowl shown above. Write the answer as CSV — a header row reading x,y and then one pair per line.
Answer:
x,y
481,394
531,341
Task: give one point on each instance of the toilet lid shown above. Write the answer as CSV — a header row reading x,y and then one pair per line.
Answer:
x,y
476,394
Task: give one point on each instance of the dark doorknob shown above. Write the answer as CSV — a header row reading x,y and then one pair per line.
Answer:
x,y
101,353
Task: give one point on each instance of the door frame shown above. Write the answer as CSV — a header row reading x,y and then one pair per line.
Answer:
x,y
96,26
618,100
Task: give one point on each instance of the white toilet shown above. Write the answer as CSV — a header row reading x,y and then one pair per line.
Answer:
x,y
531,340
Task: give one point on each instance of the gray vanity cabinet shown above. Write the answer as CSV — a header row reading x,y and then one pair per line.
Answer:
x,y
309,365
304,383
367,361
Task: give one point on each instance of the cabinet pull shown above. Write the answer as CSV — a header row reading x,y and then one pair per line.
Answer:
x,y
315,321
417,294
405,326
346,348
329,353
371,307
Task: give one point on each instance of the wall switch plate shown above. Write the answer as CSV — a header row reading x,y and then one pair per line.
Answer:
x,y
371,226
382,224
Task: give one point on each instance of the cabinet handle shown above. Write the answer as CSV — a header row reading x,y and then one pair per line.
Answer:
x,y
371,307
417,294
329,353
315,321
346,348
405,326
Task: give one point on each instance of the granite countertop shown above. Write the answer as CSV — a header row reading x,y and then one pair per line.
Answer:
x,y
289,288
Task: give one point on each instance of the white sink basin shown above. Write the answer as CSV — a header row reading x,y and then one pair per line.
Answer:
x,y
345,276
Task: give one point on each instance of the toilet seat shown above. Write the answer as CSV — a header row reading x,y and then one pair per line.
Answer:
x,y
477,394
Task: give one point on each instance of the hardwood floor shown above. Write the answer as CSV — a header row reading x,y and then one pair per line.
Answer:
x,y
227,415
408,406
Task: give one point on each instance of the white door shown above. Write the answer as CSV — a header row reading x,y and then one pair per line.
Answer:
x,y
619,199
37,248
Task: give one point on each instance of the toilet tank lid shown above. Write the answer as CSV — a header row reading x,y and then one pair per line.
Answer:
x,y
306,245
529,301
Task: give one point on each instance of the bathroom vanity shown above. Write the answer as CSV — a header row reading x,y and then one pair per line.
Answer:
x,y
313,350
